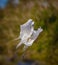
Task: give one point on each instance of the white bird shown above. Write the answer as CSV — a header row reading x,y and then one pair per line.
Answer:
x,y
32,38
27,34
26,31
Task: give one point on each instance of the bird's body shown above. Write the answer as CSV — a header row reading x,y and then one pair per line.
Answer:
x,y
27,34
26,31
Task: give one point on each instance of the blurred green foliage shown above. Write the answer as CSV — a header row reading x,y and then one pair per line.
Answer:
x,y
45,48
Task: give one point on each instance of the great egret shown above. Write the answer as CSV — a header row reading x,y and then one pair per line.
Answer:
x,y
26,31
27,34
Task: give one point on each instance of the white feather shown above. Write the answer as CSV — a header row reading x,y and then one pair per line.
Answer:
x,y
27,34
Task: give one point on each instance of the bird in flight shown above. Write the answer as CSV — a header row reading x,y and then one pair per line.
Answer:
x,y
27,34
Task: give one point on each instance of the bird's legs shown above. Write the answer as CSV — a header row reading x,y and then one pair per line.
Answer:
x,y
18,45
25,47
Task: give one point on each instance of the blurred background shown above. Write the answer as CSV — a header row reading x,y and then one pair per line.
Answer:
x,y
14,13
